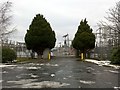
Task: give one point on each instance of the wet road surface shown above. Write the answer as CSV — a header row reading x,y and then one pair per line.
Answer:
x,y
59,73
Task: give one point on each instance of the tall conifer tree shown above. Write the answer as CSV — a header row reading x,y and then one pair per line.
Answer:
x,y
40,35
84,39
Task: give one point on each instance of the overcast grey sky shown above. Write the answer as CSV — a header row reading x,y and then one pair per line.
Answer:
x,y
64,15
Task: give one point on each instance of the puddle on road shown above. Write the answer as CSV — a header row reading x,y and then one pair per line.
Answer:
x,y
64,78
45,84
48,64
87,82
112,71
18,77
33,68
60,71
45,73
23,67
90,68
42,64
98,73
34,76
2,65
22,81
31,75
29,83
1,81
20,67
69,76
30,66
4,72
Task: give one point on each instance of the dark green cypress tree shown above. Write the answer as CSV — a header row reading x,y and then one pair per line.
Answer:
x,y
84,39
40,35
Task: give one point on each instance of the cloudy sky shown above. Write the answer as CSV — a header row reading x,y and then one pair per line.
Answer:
x,y
64,15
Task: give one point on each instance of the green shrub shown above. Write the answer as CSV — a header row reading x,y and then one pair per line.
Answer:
x,y
8,55
115,57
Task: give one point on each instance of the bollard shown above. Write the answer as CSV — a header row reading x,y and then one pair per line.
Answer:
x,y
49,56
81,56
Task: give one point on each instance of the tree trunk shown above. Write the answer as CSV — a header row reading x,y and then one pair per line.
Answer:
x,y
77,53
119,39
39,55
84,54
88,55
32,54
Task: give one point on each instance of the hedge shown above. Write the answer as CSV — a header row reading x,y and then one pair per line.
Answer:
x,y
115,56
8,55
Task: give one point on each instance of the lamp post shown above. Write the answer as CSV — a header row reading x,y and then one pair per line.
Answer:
x,y
66,43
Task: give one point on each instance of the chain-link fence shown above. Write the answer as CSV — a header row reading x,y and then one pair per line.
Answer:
x,y
19,47
106,40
